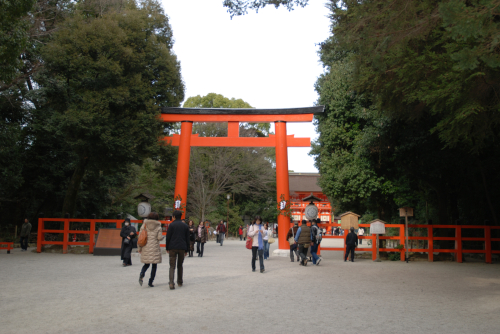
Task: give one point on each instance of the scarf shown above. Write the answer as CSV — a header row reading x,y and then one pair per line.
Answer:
x,y
261,243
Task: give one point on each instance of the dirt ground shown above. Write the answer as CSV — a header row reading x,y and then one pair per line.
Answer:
x,y
70,293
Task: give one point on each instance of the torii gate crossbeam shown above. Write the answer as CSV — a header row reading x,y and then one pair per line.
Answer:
x,y
233,117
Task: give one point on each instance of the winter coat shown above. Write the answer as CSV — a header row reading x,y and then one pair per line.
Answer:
x,y
192,233
351,239
245,232
204,235
177,236
25,230
151,253
126,250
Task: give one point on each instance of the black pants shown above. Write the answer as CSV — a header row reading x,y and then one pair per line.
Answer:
x,y
350,249
293,249
260,252
24,243
176,256
153,271
127,260
199,247
303,252
241,237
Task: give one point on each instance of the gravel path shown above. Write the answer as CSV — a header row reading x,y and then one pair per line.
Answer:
x,y
56,293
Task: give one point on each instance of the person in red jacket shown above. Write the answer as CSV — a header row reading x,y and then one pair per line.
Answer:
x,y
221,232
240,232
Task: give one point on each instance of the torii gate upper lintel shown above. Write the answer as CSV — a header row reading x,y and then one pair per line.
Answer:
x,y
233,117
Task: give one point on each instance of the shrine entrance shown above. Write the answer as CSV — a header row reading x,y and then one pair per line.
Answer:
x,y
281,141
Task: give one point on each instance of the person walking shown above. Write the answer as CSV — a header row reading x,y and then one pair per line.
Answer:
x,y
315,231
266,241
25,235
304,239
151,252
177,246
245,230
361,232
257,233
192,237
201,238
128,233
351,242
293,246
221,232
240,232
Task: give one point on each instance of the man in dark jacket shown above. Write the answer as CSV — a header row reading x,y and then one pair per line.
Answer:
x,y
25,235
351,242
221,232
303,238
177,246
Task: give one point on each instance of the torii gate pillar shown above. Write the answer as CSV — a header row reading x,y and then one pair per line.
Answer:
x,y
182,176
282,183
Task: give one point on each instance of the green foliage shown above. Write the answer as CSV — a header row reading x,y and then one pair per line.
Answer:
x,y
411,114
103,82
240,7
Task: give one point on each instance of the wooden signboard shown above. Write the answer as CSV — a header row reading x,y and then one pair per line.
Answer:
x,y
108,242
348,220
405,211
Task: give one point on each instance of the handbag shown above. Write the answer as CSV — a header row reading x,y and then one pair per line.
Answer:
x,y
127,241
249,242
291,240
143,238
270,240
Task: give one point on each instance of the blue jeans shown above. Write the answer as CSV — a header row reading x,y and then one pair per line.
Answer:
x,y
314,251
266,249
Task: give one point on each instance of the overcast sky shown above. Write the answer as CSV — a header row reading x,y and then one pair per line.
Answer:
x,y
269,59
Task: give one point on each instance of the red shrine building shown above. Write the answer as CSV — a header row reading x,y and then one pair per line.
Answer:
x,y
305,186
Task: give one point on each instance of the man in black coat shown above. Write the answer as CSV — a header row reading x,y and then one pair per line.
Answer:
x,y
351,242
177,246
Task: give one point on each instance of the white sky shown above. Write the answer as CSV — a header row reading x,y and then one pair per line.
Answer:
x,y
269,59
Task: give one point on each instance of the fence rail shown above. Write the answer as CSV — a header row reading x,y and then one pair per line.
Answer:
x,y
7,245
66,232
430,238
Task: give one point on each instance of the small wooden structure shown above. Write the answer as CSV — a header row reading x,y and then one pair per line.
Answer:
x,y
349,219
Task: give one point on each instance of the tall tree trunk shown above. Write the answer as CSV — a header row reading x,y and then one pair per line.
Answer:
x,y
74,186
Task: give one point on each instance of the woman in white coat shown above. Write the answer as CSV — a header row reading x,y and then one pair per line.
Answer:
x,y
151,252
257,233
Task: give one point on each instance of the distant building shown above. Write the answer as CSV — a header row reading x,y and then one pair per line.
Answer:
x,y
303,185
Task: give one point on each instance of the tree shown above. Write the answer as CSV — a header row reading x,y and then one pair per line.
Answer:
x,y
105,76
240,7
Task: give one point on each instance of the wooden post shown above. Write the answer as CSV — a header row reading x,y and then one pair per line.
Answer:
x,y
458,243
91,236
65,236
39,237
406,235
487,243
430,243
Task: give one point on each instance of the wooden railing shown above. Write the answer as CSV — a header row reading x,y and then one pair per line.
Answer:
x,y
66,232
430,238
7,245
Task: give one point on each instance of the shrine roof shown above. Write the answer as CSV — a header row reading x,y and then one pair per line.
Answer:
x,y
243,111
303,182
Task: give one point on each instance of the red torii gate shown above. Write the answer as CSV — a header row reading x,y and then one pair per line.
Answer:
x,y
233,117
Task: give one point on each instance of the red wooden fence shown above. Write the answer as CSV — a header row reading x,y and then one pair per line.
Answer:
x,y
66,232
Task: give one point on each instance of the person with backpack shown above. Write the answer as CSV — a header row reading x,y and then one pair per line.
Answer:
x,y
221,232
148,245
303,239
316,234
